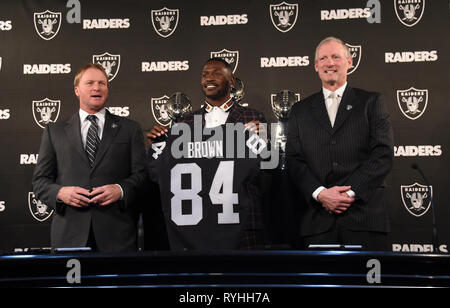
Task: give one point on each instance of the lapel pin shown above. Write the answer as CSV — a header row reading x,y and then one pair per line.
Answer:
x,y
349,107
114,125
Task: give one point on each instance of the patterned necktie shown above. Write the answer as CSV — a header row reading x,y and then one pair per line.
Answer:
x,y
332,107
92,139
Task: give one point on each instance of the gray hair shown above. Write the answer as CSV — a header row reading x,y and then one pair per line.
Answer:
x,y
333,39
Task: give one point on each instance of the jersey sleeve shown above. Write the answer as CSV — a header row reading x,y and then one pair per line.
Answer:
x,y
154,159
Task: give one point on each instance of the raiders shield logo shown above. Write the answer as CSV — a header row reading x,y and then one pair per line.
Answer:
x,y
47,24
46,111
165,21
412,102
416,198
283,16
355,52
232,57
409,12
159,110
39,210
111,64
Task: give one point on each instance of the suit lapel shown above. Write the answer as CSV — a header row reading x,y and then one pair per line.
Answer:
x,y
73,132
346,107
110,131
319,111
235,115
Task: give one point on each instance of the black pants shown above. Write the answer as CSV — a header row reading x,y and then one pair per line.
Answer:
x,y
91,240
370,240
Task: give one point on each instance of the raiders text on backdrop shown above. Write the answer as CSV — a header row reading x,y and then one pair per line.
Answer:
x,y
150,51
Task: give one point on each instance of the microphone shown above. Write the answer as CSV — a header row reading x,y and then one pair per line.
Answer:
x,y
435,232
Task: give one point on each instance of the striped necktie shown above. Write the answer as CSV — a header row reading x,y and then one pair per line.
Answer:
x,y
92,139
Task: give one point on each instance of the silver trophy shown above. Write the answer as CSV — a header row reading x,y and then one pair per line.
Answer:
x,y
237,90
178,105
281,106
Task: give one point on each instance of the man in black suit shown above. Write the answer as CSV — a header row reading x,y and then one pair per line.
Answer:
x,y
219,108
340,150
89,170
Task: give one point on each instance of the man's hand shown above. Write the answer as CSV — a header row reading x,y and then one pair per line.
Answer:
x,y
257,127
157,131
254,126
74,196
106,194
335,199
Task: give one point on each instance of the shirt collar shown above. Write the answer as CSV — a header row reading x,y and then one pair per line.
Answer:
x,y
101,114
339,92
225,106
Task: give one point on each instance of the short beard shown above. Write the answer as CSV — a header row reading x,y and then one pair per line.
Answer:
x,y
221,94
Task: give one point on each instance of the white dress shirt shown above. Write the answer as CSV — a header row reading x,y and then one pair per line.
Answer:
x,y
85,124
216,116
328,102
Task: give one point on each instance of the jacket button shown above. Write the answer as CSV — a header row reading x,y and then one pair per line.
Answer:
x,y
335,164
333,142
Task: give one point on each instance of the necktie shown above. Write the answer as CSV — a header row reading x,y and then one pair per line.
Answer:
x,y
92,139
332,107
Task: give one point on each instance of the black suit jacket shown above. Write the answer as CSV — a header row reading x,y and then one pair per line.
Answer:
x,y
63,161
357,151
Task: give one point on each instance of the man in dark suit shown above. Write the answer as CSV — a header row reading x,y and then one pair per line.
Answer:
x,y
340,149
219,108
89,170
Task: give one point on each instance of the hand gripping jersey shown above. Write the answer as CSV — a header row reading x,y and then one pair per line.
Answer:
x,y
204,182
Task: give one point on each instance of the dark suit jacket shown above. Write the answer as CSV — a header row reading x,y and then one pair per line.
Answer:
x,y
63,161
357,151
253,230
